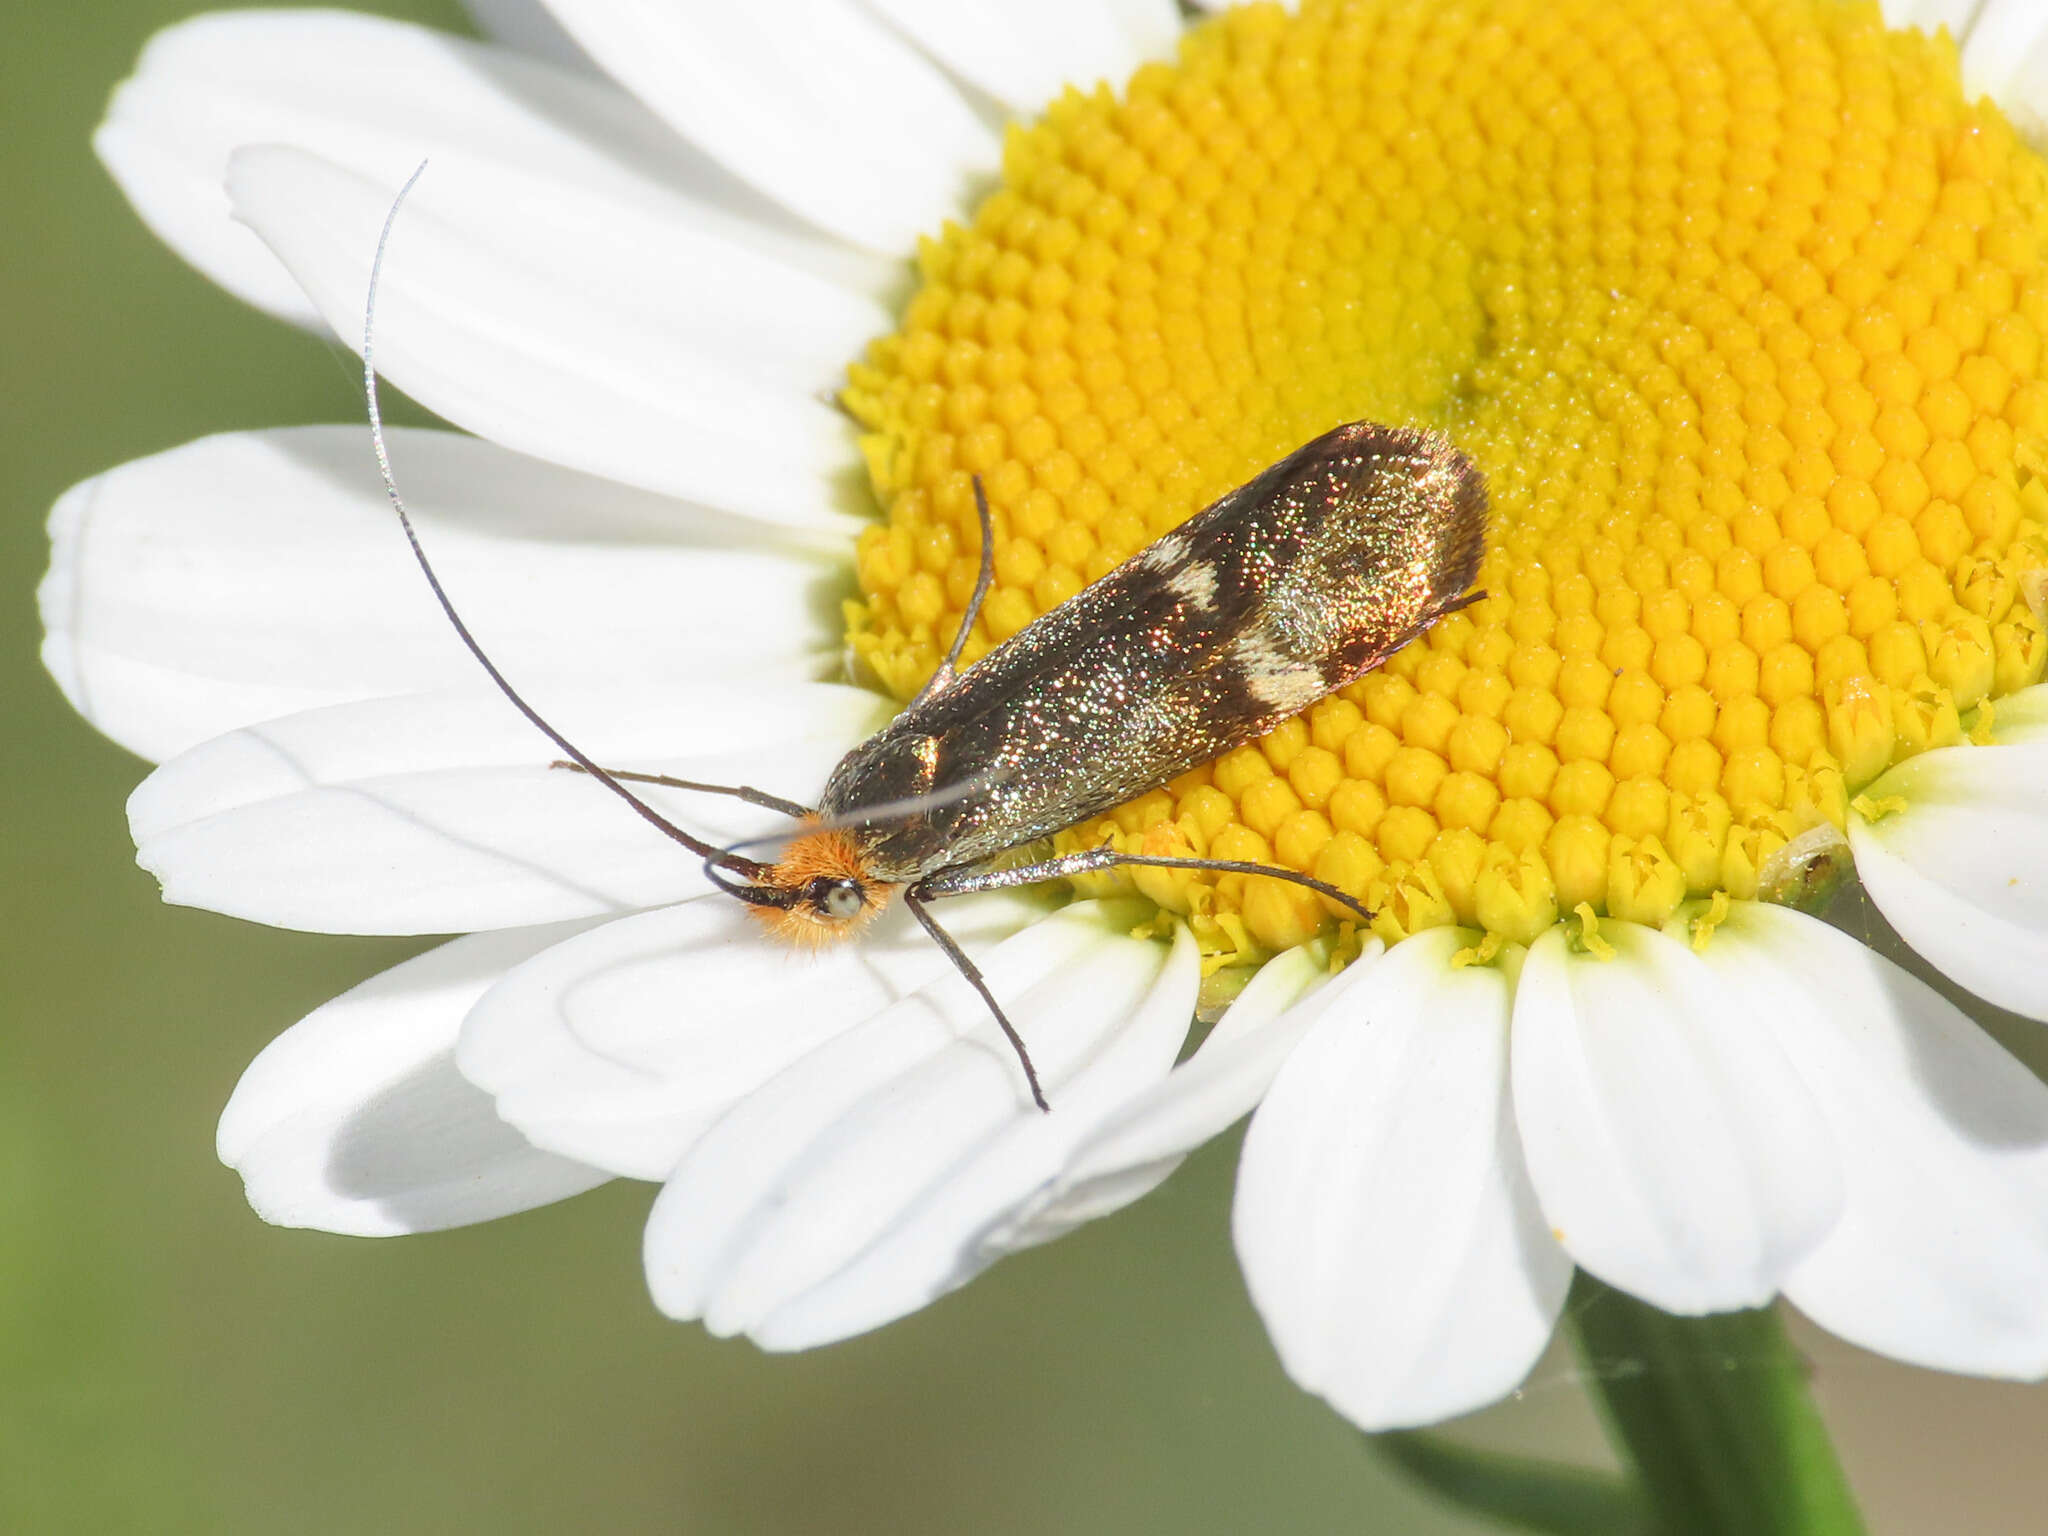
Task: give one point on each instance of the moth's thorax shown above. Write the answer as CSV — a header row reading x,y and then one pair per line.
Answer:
x,y
823,855
900,763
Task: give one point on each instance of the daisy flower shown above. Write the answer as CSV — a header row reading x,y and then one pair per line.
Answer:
x,y
1740,306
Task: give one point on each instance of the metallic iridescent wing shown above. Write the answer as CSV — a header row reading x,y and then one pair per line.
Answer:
x,y
1285,589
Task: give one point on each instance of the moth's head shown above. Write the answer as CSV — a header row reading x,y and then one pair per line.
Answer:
x,y
820,890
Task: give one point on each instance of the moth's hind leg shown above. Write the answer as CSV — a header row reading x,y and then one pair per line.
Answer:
x,y
752,796
914,899
966,880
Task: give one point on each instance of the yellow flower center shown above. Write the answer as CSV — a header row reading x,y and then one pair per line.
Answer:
x,y
1738,303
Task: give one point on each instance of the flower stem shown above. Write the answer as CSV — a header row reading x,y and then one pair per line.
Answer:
x,y
1715,1414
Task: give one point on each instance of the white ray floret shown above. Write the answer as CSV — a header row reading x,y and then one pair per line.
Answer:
x,y
1960,867
1025,55
1940,1255
833,114
2005,56
376,96
570,374
440,812
855,1185
621,1047
1136,1147
1676,1153
1385,1223
527,27
256,574
355,1120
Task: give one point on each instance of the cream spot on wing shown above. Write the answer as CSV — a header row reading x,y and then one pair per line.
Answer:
x,y
1274,678
1195,584
1167,554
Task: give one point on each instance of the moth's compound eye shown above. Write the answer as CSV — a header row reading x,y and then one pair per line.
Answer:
x,y
838,898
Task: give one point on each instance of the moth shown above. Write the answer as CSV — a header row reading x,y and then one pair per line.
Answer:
x,y
1286,589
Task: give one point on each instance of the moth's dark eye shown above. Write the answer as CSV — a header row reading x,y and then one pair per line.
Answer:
x,y
838,898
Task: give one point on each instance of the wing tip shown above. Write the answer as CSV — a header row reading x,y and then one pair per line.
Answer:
x,y
1452,485
1463,515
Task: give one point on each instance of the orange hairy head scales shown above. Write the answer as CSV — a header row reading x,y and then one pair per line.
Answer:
x,y
830,855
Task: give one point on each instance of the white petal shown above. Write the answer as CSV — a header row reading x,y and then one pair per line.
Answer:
x,y
1134,1148
2021,717
620,1048
256,574
854,1186
1023,55
1941,1255
526,26
378,96
1153,26
822,107
355,1119
590,344
1383,1218
615,277
1676,1153
1931,15
439,813
2006,58
1962,871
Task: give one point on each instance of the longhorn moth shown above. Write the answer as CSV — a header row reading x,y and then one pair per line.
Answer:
x,y
1286,589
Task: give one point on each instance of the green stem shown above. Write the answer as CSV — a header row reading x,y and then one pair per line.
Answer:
x,y
1716,1415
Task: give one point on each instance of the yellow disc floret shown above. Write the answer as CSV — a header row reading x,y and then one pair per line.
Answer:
x,y
1738,303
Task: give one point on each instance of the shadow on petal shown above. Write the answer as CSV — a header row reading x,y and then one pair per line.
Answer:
x,y
429,1151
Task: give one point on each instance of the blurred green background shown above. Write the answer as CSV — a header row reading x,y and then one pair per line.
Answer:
x,y
168,1363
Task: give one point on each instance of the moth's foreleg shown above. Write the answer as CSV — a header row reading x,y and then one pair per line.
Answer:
x,y
914,899
982,582
752,796
965,880
983,579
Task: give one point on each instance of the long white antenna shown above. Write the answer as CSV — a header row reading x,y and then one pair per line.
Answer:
x,y
647,812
